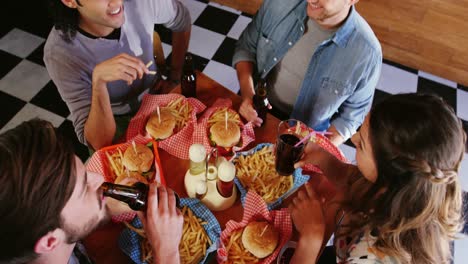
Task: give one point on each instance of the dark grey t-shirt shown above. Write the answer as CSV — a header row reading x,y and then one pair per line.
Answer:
x,y
70,65
285,79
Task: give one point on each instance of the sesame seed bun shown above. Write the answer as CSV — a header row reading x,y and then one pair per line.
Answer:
x,y
225,137
260,239
141,160
163,129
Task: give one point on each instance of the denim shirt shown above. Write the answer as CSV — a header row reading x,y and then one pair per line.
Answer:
x,y
342,74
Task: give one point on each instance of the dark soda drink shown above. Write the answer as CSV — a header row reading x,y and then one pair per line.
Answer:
x,y
287,154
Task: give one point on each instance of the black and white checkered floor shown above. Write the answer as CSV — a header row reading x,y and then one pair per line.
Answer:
x,y
26,90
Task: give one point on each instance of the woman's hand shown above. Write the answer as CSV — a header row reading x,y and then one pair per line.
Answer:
x,y
307,213
313,154
163,224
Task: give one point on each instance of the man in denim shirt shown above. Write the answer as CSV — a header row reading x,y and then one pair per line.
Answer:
x,y
321,58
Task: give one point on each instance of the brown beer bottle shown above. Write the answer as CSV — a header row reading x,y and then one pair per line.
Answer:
x,y
188,83
260,100
135,196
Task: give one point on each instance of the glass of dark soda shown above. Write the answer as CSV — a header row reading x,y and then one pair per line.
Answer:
x,y
290,132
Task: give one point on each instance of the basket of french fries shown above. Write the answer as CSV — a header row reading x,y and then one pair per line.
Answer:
x,y
199,237
258,238
221,127
255,170
127,163
169,119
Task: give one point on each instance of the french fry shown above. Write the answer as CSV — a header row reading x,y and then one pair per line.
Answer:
x,y
257,172
182,111
193,245
219,116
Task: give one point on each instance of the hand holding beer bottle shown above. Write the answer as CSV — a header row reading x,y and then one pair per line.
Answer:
x,y
163,224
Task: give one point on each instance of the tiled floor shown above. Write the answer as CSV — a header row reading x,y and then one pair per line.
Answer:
x,y
26,90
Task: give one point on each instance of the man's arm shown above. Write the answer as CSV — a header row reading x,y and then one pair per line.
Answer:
x,y
99,129
244,60
175,16
353,111
180,42
244,74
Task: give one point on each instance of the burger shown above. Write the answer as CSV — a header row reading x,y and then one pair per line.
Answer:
x,y
138,158
224,135
260,239
163,126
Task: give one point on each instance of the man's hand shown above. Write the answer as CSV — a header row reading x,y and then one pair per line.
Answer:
x,y
163,224
121,67
248,112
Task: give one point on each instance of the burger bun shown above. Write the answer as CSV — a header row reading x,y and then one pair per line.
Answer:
x,y
163,126
260,239
225,136
139,160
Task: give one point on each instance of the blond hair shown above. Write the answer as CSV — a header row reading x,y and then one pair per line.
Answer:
x,y
415,205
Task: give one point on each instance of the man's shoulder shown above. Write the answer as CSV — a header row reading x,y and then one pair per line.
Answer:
x,y
365,35
278,8
56,43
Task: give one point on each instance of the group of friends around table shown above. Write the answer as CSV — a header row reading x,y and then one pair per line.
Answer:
x,y
400,203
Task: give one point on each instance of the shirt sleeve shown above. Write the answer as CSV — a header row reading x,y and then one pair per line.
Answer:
x,y
352,112
246,46
172,14
74,86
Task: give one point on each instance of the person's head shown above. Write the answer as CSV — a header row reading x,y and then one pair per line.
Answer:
x,y
97,17
329,13
47,198
410,148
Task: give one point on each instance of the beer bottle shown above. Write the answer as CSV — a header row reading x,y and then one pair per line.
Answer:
x,y
135,196
260,100
188,83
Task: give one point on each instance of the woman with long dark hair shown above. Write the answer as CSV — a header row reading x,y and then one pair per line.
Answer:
x,y
402,201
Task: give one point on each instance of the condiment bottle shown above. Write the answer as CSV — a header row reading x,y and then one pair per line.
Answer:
x,y
197,156
260,100
188,82
200,190
135,196
225,182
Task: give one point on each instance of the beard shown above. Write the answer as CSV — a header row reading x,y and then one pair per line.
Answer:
x,y
75,233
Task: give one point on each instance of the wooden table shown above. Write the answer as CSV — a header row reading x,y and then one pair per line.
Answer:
x,y
102,244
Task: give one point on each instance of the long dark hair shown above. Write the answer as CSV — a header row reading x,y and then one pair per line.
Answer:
x,y
415,204
66,19
37,178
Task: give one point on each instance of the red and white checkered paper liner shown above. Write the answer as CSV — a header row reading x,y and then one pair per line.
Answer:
x,y
177,144
255,209
327,145
98,163
201,131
